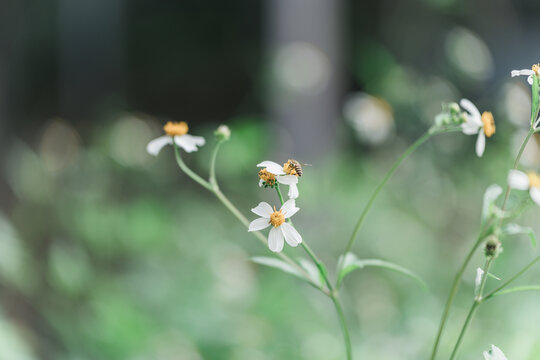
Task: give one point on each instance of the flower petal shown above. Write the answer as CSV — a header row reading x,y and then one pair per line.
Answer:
x,y
521,72
480,143
288,206
518,180
293,192
263,209
535,195
291,212
471,108
259,224
530,79
272,167
275,240
189,143
155,146
470,128
287,179
292,237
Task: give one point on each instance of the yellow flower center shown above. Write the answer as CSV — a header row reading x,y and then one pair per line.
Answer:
x,y
267,177
175,128
489,123
534,179
536,69
291,167
277,218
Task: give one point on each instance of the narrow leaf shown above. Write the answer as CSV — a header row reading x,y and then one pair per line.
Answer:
x,y
515,229
277,264
354,263
312,271
518,289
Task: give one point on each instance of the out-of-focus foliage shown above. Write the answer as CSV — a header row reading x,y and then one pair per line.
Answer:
x,y
108,253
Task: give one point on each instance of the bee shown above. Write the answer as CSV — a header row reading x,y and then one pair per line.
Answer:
x,y
293,167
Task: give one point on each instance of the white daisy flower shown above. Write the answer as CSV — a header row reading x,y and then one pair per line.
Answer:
x,y
287,175
526,72
476,123
281,230
494,354
176,131
521,181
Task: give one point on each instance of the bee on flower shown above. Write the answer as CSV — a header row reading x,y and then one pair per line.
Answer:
x,y
475,123
177,132
526,181
281,231
287,175
535,69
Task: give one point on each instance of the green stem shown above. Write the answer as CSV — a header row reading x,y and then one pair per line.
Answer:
x,y
378,189
190,172
213,179
312,255
509,281
344,328
472,311
452,295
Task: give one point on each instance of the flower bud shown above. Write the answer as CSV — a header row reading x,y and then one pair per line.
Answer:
x,y
223,132
493,247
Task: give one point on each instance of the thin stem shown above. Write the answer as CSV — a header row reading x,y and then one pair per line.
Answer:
x,y
378,189
509,281
213,179
344,328
452,295
472,311
190,172
312,255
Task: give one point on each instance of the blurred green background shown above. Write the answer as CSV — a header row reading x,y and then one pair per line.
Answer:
x,y
108,253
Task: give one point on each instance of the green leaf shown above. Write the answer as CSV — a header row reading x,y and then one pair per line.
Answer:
x,y
351,263
515,229
312,271
277,264
518,289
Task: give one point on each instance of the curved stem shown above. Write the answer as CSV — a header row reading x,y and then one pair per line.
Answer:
x,y
213,179
477,301
344,328
452,295
312,255
379,187
190,172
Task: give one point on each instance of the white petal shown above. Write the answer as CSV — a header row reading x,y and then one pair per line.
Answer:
x,y
535,195
291,212
272,167
155,146
275,240
518,180
263,209
471,108
259,224
521,72
287,179
189,143
293,192
494,354
480,143
530,79
288,206
478,280
470,127
292,236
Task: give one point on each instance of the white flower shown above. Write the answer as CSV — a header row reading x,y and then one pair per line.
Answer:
x,y
520,181
476,123
494,354
526,72
281,230
283,174
223,132
176,131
